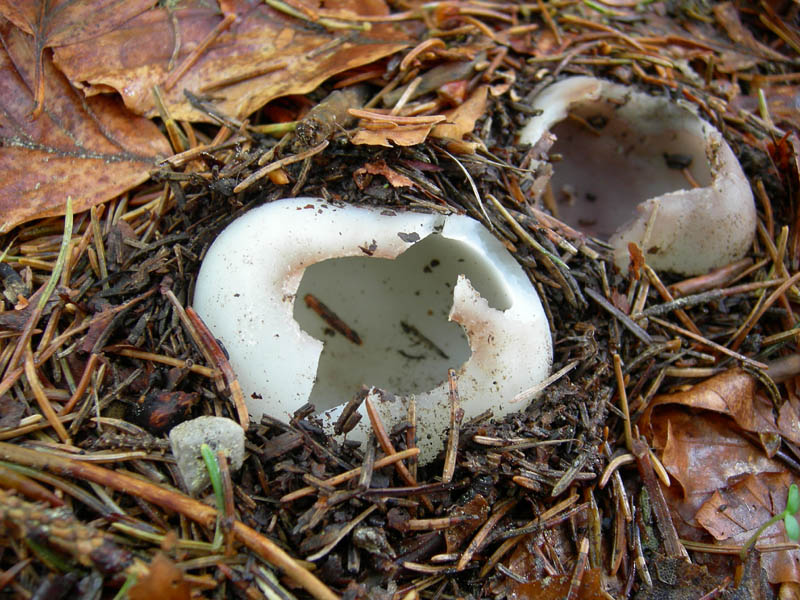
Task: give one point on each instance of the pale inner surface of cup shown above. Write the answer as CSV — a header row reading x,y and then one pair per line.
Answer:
x,y
399,309
615,157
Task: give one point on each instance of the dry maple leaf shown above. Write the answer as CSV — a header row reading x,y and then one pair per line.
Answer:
x,y
55,23
90,149
264,54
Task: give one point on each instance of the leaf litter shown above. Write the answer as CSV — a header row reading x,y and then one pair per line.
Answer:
x,y
660,433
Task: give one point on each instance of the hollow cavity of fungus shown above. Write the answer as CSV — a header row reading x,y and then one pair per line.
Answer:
x,y
313,301
643,169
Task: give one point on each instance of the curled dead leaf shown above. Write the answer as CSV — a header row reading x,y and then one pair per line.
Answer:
x,y
731,393
264,54
57,23
461,120
90,149
380,167
163,580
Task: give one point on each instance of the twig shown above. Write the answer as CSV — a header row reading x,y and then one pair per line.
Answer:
x,y
456,416
82,384
342,533
709,343
385,442
623,400
44,404
664,292
672,544
621,316
194,55
220,361
531,392
351,474
278,164
164,360
753,319
480,537
170,500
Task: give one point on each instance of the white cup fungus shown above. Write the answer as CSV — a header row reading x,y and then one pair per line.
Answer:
x,y
622,175
421,293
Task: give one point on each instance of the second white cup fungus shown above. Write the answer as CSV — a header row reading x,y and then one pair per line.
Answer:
x,y
420,293
622,173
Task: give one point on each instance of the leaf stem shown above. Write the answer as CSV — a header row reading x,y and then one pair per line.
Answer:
x,y
759,531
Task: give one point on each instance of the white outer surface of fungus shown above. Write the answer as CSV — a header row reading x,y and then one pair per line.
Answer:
x,y
686,230
248,282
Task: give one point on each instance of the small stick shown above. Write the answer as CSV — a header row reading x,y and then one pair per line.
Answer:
x,y
426,46
577,573
437,522
82,384
194,55
279,164
456,416
424,340
192,331
385,442
640,561
483,532
331,318
351,474
411,433
531,392
659,310
753,319
621,316
623,400
711,280
667,297
509,543
368,466
672,543
164,360
709,343
613,465
44,404
170,500
220,361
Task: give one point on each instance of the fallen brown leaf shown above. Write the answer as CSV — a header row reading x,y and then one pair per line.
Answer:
x,y
557,587
732,515
90,149
461,120
58,22
731,393
789,416
704,453
456,537
727,15
379,129
402,135
164,580
264,54
380,167
709,460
